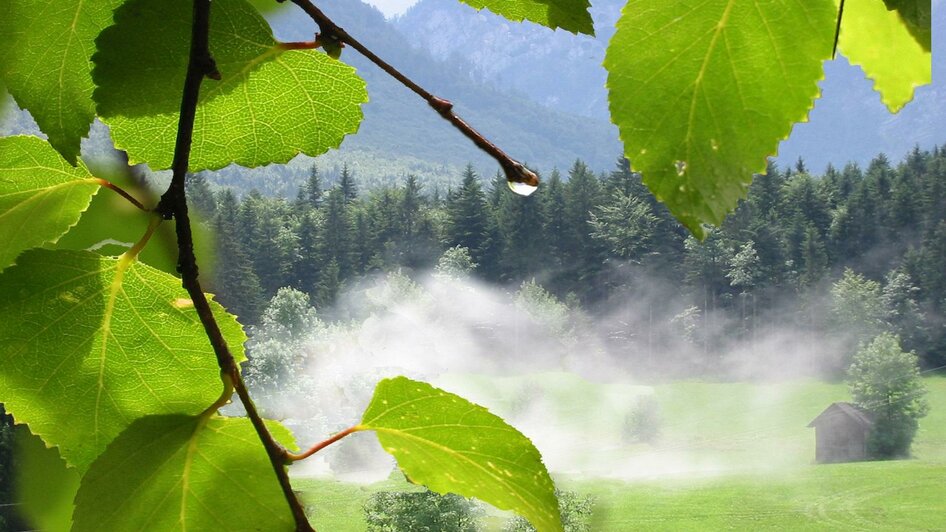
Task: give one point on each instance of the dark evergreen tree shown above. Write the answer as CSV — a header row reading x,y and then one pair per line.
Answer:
x,y
337,235
305,268
765,194
347,184
200,196
330,283
313,188
234,280
584,256
522,231
467,220
553,205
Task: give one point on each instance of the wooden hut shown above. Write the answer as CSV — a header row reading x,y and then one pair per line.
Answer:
x,y
841,433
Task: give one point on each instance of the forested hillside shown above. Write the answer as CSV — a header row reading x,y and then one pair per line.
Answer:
x,y
857,248
399,125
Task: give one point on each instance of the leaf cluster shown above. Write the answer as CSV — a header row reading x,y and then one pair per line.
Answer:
x,y
105,357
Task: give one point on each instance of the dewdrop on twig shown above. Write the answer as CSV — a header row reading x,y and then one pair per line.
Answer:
x,y
520,179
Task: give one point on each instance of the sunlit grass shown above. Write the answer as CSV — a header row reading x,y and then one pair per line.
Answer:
x,y
737,456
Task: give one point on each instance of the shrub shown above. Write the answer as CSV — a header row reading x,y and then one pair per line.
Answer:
x,y
644,420
421,511
574,508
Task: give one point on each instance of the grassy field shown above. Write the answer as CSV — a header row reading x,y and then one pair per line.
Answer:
x,y
731,456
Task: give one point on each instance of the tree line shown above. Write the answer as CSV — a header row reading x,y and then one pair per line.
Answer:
x,y
877,232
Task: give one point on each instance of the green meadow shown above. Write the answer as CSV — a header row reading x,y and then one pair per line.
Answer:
x,y
730,456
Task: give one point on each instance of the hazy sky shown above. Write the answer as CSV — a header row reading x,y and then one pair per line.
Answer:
x,y
392,7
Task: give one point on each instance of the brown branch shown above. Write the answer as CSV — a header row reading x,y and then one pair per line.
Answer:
x,y
121,192
173,204
322,444
328,30
304,45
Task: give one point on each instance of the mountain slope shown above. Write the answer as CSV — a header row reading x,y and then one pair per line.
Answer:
x,y
398,123
563,71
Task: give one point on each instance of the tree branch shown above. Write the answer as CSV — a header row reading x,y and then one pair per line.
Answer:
x,y
515,171
323,444
837,31
121,192
173,204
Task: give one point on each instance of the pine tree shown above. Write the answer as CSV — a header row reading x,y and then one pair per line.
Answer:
x,y
200,195
765,194
330,284
418,242
234,280
522,232
553,206
814,257
467,223
337,234
583,254
313,188
305,268
347,183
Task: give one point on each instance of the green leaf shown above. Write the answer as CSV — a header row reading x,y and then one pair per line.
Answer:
x,y
271,104
702,93
91,343
184,473
43,486
899,65
449,444
918,16
571,15
41,195
44,62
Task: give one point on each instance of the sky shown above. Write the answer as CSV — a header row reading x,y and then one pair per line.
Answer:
x,y
392,7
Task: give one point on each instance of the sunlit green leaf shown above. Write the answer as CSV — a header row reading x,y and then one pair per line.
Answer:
x,y
571,15
899,65
91,343
703,92
272,103
918,16
449,444
44,62
43,486
41,195
184,473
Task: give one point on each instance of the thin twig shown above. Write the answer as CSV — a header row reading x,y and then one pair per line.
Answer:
x,y
322,444
328,30
304,45
173,204
121,192
837,31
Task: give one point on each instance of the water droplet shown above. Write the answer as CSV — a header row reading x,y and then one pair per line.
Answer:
x,y
681,167
521,188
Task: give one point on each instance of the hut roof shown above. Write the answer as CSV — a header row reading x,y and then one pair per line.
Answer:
x,y
858,414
